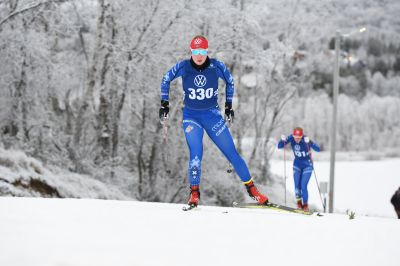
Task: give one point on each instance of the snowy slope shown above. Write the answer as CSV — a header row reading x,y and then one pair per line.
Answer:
x,y
73,232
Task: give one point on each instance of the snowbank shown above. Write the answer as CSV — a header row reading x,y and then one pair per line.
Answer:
x,y
24,176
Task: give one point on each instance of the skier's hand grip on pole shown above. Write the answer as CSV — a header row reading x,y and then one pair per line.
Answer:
x,y
163,112
229,113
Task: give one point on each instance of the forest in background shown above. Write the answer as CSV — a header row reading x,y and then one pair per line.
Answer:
x,y
80,80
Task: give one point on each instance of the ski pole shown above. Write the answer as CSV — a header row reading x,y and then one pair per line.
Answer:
x,y
230,168
164,122
165,129
319,190
284,167
315,175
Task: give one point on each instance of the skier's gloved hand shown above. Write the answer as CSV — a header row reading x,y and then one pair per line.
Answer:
x,y
164,110
229,113
283,137
306,139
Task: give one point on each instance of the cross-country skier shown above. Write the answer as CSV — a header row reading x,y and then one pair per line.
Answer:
x,y
302,165
201,113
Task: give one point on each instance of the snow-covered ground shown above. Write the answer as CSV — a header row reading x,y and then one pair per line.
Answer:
x,y
80,232
361,186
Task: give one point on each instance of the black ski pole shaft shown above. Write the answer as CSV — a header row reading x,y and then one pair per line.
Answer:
x,y
165,140
315,175
319,190
284,168
230,168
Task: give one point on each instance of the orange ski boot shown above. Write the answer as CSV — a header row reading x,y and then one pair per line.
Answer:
x,y
194,197
299,204
255,194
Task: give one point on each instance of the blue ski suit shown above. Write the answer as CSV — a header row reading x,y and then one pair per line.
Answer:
x,y
201,113
302,164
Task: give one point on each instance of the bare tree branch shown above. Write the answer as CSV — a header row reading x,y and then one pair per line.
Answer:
x,y
24,9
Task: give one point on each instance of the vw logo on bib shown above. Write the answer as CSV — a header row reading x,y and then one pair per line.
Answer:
x,y
200,81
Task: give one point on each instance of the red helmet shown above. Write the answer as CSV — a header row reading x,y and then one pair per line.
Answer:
x,y
199,42
298,132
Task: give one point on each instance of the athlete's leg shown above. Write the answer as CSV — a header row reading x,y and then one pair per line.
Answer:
x,y
194,138
215,126
297,173
304,183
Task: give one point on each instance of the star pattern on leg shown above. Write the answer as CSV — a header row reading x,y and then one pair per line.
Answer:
x,y
195,162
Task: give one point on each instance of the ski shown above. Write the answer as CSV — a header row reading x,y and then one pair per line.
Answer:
x,y
274,206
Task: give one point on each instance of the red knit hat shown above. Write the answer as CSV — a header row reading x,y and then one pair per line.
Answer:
x,y
199,42
298,132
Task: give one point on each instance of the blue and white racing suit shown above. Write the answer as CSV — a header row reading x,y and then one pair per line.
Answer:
x,y
302,164
201,113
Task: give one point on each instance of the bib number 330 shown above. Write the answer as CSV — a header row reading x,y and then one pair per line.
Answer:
x,y
200,93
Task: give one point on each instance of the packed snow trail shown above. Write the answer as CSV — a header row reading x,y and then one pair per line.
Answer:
x,y
80,232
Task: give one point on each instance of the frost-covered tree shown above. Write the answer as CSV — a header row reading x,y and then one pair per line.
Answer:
x,y
80,80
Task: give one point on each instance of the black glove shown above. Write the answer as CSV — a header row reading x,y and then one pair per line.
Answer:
x,y
164,110
229,113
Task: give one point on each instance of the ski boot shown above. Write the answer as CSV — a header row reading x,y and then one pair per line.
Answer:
x,y
194,197
299,204
255,194
305,207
